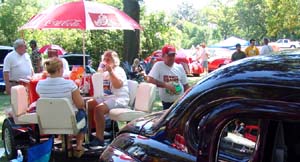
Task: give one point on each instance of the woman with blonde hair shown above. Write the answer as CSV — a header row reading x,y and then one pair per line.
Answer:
x,y
115,83
55,86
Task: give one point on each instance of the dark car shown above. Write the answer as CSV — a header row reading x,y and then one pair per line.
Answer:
x,y
261,92
77,60
4,50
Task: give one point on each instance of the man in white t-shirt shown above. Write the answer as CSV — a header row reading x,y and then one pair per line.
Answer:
x,y
54,53
17,65
169,76
266,49
202,56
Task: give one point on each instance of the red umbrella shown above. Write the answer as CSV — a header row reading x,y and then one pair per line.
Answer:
x,y
59,49
84,15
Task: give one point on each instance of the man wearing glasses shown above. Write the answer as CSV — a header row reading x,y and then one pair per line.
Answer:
x,y
17,65
169,77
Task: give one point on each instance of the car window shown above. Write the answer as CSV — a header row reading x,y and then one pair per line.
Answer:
x,y
3,53
283,142
238,140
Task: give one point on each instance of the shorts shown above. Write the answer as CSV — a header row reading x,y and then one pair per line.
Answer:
x,y
113,102
80,114
205,64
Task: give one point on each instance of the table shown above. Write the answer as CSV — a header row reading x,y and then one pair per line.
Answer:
x,y
86,82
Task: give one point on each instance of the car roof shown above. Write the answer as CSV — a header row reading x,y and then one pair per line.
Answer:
x,y
281,69
6,48
277,70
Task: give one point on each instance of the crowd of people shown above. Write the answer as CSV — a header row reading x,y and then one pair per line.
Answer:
x,y
251,50
167,75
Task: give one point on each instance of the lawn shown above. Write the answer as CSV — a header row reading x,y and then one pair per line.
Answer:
x,y
5,103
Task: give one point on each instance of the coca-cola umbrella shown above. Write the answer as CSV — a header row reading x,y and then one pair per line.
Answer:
x,y
45,48
84,15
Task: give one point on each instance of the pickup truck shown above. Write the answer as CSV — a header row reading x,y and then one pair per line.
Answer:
x,y
285,43
258,94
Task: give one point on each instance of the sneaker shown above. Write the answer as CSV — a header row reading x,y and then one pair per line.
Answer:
x,y
96,144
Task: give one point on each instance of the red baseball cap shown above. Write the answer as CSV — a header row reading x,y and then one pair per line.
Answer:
x,y
168,49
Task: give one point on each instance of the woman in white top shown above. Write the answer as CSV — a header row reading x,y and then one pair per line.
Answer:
x,y
114,83
55,86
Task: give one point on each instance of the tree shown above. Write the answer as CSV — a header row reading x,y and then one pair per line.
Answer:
x,y
186,11
131,38
13,15
155,26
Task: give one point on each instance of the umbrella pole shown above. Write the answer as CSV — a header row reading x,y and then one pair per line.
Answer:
x,y
84,88
83,48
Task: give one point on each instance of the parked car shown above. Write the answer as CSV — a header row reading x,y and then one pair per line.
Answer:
x,y
262,92
4,50
285,43
77,60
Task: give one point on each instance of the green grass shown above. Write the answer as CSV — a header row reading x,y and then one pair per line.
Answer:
x,y
5,103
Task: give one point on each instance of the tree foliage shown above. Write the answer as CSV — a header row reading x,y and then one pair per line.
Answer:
x,y
184,28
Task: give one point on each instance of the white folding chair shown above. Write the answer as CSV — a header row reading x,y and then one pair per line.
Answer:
x,y
19,102
145,96
56,116
132,86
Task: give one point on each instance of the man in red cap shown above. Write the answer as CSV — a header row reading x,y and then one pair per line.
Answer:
x,y
169,76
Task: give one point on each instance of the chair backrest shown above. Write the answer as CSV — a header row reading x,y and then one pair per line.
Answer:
x,y
19,100
56,116
145,96
132,86
97,81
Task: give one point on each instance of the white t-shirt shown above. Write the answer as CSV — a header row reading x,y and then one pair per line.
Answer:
x,y
266,49
122,94
56,88
65,67
18,66
203,54
175,75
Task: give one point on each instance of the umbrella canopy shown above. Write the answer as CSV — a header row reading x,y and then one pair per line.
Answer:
x,y
45,48
84,15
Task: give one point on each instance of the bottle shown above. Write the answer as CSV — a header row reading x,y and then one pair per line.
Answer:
x,y
97,80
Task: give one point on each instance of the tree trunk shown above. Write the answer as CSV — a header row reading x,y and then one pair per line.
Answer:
x,y
131,38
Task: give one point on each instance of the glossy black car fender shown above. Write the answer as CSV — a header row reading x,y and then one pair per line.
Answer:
x,y
132,147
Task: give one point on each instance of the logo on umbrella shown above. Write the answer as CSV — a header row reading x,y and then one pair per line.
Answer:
x,y
63,23
104,20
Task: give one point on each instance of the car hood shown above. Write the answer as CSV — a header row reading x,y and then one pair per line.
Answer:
x,y
146,125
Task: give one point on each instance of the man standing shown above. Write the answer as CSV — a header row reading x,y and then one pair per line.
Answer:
x,y
36,58
169,76
202,56
266,49
252,50
17,65
238,54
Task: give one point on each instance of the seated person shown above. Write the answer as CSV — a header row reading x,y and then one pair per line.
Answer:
x,y
150,64
53,53
55,86
137,70
114,80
